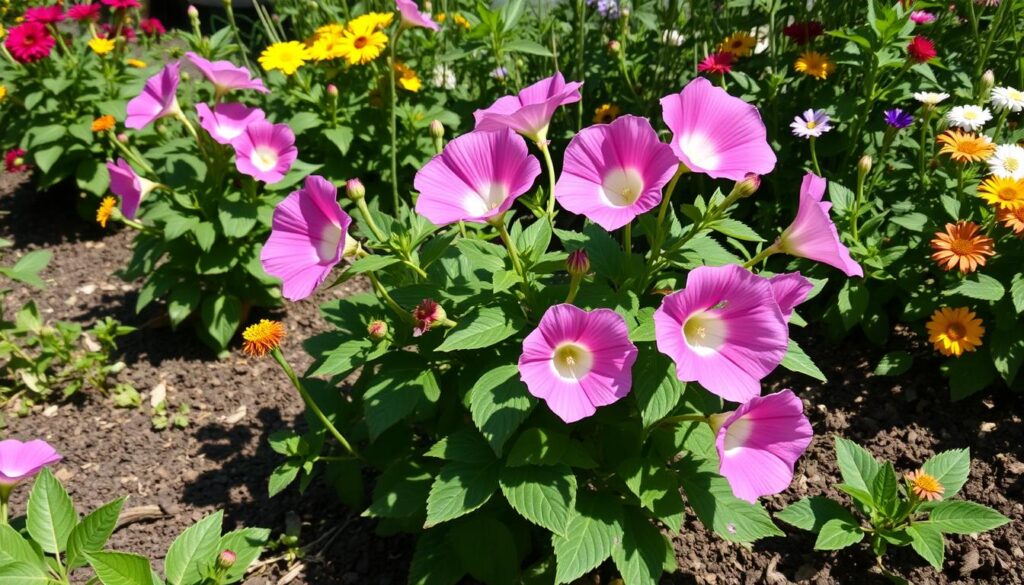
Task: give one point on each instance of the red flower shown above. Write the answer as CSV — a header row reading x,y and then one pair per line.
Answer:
x,y
804,32
716,63
83,12
152,27
14,161
29,41
921,50
122,3
44,14
425,315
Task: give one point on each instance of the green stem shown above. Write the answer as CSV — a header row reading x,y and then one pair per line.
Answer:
x,y
310,403
762,255
388,300
229,8
627,238
683,418
546,152
574,288
922,177
368,218
581,27
857,202
814,158
960,183
392,122
513,253
4,493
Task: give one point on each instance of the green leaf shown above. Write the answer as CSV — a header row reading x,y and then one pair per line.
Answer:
x,y
237,217
51,515
1007,350
341,138
657,388
894,363
796,360
401,491
544,495
979,286
371,264
970,373
27,268
22,573
458,489
117,568
481,327
529,47
644,552
812,513
736,229
951,468
1017,292
435,561
394,395
183,300
15,549
193,551
851,302
93,532
499,403
959,517
486,549
538,446
591,535
884,490
247,544
206,235
926,540
283,476
857,465
220,318
465,445
838,533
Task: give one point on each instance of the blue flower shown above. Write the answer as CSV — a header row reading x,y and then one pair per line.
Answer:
x,y
898,119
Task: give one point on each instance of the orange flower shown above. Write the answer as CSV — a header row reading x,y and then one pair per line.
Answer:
x,y
961,245
105,210
954,331
103,123
966,146
262,338
925,486
1013,219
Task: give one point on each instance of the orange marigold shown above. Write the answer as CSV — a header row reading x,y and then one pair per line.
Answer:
x,y
1013,219
925,486
966,146
961,246
262,338
103,123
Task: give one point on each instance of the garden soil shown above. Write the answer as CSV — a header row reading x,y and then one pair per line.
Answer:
x,y
222,460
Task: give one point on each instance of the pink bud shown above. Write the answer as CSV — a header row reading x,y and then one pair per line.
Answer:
x,y
354,189
578,263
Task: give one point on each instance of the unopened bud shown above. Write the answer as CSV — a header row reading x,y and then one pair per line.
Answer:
x,y
436,130
193,12
625,12
227,558
578,263
354,189
377,330
122,138
864,165
185,76
748,186
352,247
988,81
614,47
332,90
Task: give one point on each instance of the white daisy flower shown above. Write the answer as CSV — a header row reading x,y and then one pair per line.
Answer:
x,y
930,98
443,77
970,118
811,124
672,38
1007,98
1007,162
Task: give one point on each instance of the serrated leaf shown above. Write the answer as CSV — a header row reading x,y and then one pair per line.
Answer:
x,y
643,554
1017,292
656,387
15,549
591,535
93,532
464,445
481,327
435,561
858,467
499,403
117,568
736,229
247,544
51,515
836,534
851,302
193,550
401,491
487,550
544,495
981,287
959,517
951,468
796,360
812,513
458,489
927,541
394,395
539,446
282,477
22,573
884,490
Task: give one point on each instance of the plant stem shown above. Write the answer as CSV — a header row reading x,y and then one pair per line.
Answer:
x,y
4,493
368,218
683,418
857,202
627,238
574,288
542,144
814,158
388,300
760,257
581,27
393,124
513,253
922,177
229,8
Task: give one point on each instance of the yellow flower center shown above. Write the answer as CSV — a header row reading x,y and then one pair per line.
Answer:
x,y
1011,164
927,483
262,338
812,125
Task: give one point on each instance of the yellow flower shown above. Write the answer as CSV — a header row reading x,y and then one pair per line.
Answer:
x,y
954,331
105,211
739,44
3,93
363,44
407,78
1004,193
3,31
101,46
606,113
326,48
329,30
103,123
925,486
136,63
262,338
375,20
815,64
285,57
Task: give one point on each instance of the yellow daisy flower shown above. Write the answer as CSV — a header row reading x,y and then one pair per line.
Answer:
x,y
407,78
261,338
954,331
739,44
136,63
363,44
326,48
101,46
375,20
105,210
1002,192
329,30
285,57
606,113
815,64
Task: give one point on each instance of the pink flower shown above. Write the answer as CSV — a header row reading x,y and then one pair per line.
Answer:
x,y
225,75
758,444
307,238
412,17
226,122
425,315
20,461
720,63
577,361
83,12
14,161
614,172
121,3
790,289
529,112
812,234
152,27
29,42
922,17
478,176
265,151
157,100
725,330
717,134
45,14
130,187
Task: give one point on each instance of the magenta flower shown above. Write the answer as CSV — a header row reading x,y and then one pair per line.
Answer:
x,y
725,330
121,3
226,76
577,361
478,176
152,27
157,100
529,112
265,151
922,17
412,17
45,14
758,444
130,187
84,12
20,461
226,122
614,172
307,238
29,42
717,134
812,234
790,289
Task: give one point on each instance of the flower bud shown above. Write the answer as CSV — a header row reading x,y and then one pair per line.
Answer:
x,y
614,47
578,263
625,12
193,12
748,186
436,130
377,330
425,315
332,90
354,189
988,81
864,165
227,558
352,247
122,138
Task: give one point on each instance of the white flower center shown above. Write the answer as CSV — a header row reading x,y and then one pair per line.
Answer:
x,y
264,158
737,434
487,198
704,333
327,247
572,361
228,131
622,187
700,150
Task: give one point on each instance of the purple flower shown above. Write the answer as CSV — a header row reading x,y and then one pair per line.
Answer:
x,y
129,186
20,461
265,151
608,9
226,122
157,100
412,17
529,112
898,119
811,124
226,76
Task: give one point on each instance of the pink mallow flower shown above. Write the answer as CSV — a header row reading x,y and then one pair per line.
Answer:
x,y
725,330
412,17
226,76
577,361
529,112
614,172
158,99
812,234
129,186
758,444
717,134
307,238
226,122
19,461
790,289
477,177
265,151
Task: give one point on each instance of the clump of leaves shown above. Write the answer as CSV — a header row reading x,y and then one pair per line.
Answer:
x,y
165,417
